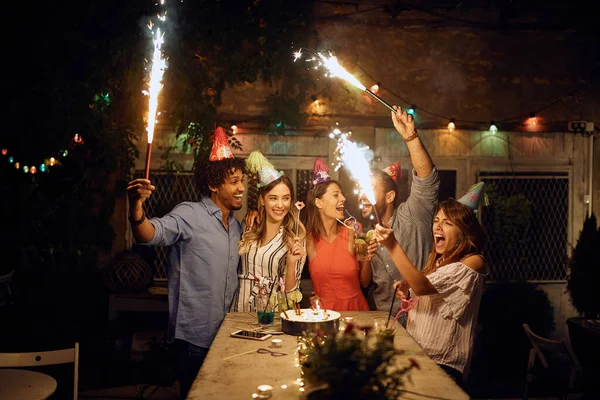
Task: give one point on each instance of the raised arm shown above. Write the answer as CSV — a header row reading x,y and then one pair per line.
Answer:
x,y
420,158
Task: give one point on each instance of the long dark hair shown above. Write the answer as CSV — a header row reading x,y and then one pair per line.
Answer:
x,y
314,224
289,222
472,240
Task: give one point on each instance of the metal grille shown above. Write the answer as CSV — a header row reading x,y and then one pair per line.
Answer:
x,y
527,225
171,189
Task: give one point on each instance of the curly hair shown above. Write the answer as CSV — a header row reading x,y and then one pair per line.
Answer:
x,y
289,223
472,240
214,173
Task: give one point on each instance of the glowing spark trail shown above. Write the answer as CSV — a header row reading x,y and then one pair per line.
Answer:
x,y
154,86
356,160
333,67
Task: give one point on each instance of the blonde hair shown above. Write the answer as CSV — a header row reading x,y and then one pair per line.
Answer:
x,y
289,223
472,240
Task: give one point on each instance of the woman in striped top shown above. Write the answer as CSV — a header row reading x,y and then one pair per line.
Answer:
x,y
449,288
274,246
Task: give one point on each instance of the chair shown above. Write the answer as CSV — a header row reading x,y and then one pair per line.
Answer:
x,y
5,295
38,359
551,353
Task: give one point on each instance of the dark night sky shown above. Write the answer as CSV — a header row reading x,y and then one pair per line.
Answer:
x,y
50,47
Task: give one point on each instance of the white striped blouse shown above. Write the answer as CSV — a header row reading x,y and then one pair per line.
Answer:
x,y
444,323
263,262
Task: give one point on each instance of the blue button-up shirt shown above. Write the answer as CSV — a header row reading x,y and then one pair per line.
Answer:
x,y
202,270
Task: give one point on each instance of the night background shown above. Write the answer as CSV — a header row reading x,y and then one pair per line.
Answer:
x,y
79,68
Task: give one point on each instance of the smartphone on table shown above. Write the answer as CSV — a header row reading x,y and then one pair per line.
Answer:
x,y
252,335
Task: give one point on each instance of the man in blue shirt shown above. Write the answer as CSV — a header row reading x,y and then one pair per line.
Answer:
x,y
202,269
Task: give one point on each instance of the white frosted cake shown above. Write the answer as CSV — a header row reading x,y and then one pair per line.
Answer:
x,y
309,320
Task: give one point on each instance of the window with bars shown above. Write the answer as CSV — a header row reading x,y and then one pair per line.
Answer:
x,y
527,225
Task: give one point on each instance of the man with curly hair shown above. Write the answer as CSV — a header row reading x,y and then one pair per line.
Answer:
x,y
202,269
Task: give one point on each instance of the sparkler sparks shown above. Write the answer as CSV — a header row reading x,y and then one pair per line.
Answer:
x,y
154,86
334,69
356,159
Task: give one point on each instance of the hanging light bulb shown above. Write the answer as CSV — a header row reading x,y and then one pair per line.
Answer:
x,y
493,128
25,169
532,119
43,168
451,126
11,160
412,109
375,88
17,165
234,129
4,152
52,161
33,169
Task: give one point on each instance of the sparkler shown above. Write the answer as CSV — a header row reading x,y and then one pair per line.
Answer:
x,y
154,86
356,160
333,67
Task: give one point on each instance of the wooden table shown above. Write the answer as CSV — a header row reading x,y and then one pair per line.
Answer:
x,y
25,384
239,377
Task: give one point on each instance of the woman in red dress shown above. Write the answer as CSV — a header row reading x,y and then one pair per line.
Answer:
x,y
336,274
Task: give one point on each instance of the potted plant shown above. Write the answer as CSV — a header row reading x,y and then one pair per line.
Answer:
x,y
356,363
582,286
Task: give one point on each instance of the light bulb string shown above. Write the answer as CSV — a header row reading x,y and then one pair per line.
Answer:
x,y
466,121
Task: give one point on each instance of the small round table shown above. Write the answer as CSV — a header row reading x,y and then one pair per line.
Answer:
x,y
24,384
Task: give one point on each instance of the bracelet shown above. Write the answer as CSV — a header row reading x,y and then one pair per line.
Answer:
x,y
139,221
411,137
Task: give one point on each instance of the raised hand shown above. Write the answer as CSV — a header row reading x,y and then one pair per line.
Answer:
x,y
138,191
403,122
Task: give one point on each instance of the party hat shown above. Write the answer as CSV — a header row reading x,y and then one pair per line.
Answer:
x,y
320,172
258,164
474,196
394,171
220,150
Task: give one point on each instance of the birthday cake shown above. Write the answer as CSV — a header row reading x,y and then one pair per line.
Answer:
x,y
309,320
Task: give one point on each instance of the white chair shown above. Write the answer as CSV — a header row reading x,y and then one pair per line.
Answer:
x,y
541,349
43,358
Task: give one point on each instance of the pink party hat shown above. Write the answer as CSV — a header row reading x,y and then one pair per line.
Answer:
x,y
320,172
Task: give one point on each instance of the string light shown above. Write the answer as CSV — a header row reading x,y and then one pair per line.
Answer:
x,y
451,126
412,110
493,128
234,129
525,118
375,88
43,167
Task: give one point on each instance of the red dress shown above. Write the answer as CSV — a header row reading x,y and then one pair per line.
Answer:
x,y
335,275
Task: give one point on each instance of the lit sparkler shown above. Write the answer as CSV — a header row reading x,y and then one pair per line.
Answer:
x,y
356,160
333,67
154,86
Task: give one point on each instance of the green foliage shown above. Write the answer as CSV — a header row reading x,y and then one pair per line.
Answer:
x,y
584,271
214,45
355,363
512,218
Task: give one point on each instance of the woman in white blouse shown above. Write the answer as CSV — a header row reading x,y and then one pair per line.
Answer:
x,y
448,291
273,247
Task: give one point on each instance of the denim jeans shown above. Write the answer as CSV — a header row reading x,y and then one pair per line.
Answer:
x,y
189,359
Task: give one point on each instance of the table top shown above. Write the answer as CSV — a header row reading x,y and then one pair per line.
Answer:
x,y
25,384
224,376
